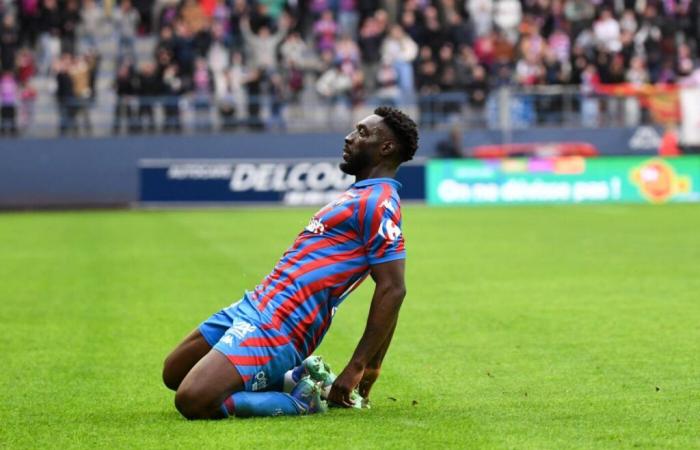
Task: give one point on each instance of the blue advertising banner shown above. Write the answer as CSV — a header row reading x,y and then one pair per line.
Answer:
x,y
290,182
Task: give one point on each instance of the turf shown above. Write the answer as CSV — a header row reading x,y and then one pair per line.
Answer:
x,y
526,327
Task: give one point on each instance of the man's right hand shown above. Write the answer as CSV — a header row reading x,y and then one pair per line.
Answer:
x,y
343,385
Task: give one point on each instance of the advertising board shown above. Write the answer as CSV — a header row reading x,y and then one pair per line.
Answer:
x,y
563,180
290,182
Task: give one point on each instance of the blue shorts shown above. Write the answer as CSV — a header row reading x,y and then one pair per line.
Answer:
x,y
261,356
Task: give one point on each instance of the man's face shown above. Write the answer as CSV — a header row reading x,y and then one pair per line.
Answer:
x,y
362,145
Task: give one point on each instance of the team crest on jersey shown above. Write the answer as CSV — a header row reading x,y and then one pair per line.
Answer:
x,y
389,230
315,226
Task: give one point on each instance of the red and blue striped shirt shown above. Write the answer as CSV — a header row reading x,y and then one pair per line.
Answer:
x,y
328,260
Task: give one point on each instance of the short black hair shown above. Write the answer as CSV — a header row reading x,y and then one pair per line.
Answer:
x,y
403,127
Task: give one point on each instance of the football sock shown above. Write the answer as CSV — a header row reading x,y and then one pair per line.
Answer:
x,y
292,377
260,404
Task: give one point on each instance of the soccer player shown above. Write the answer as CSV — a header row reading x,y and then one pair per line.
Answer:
x,y
234,364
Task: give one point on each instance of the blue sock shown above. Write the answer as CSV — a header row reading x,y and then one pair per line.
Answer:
x,y
260,404
297,372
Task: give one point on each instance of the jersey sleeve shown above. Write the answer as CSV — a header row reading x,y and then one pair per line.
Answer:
x,y
380,225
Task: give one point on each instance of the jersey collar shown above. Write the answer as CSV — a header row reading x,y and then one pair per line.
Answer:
x,y
372,181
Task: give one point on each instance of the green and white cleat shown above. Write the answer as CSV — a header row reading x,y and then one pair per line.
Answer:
x,y
358,402
307,395
319,371
316,369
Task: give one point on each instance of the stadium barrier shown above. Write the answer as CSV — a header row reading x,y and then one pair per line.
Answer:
x,y
69,172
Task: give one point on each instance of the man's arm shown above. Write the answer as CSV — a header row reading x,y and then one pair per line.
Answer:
x,y
388,295
374,367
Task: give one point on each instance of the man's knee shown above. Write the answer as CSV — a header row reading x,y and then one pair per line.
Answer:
x,y
193,404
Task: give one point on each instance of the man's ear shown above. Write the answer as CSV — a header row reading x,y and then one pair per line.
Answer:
x,y
387,148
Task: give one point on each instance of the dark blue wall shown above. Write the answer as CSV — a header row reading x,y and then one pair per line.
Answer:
x,y
82,172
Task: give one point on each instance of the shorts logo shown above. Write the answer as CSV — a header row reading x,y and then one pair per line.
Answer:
x,y
260,381
227,339
241,328
389,230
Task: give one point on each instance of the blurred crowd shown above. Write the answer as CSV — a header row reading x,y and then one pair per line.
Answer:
x,y
232,58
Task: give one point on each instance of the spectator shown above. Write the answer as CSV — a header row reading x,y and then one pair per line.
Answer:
x,y
69,25
685,63
229,91
203,88
433,33
580,14
388,91
144,8
399,50
325,30
173,87
9,42
278,100
149,90
607,31
294,51
184,52
218,57
80,73
29,16
346,50
372,34
49,35
590,80
334,84
480,12
253,86
9,97
261,47
64,94
26,107
459,32
125,88
637,75
166,40
348,18
91,24
477,88
452,146
507,16
126,20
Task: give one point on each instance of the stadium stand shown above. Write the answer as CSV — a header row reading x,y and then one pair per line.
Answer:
x,y
92,67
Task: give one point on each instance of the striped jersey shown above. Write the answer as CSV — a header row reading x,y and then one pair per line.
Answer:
x,y
328,260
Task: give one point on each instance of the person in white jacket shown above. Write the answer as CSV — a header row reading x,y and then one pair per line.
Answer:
x,y
399,50
507,16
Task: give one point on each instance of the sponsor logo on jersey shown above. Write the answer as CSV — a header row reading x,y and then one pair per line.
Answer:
x,y
315,226
389,230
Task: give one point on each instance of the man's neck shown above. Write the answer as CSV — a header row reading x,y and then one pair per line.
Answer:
x,y
376,172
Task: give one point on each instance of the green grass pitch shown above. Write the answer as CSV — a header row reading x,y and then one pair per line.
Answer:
x,y
526,327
